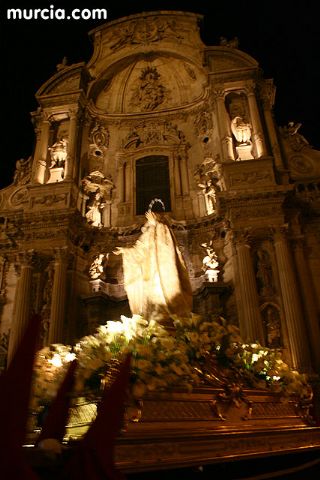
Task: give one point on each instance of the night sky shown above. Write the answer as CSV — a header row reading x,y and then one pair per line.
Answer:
x,y
282,37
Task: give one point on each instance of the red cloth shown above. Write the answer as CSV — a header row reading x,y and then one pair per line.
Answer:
x,y
15,387
94,458
56,420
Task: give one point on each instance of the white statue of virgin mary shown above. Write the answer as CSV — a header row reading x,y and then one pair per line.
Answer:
x,y
155,274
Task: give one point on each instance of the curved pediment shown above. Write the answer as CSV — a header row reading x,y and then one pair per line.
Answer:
x,y
221,60
148,85
167,31
67,79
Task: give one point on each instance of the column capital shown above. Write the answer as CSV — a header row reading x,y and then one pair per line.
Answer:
x,y
250,87
280,232
45,117
73,113
267,91
242,238
218,93
61,254
26,258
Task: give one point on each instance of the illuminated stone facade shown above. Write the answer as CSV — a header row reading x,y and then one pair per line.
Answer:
x,y
156,113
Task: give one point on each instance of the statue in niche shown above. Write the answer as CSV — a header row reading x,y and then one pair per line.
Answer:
x,y
58,153
264,273
209,191
96,269
150,93
155,275
93,215
99,189
241,130
210,262
208,179
22,172
272,323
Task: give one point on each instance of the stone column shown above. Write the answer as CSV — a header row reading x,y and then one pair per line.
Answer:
x,y
291,304
106,214
121,181
69,166
3,264
58,299
249,313
257,131
82,203
22,302
41,151
184,174
224,126
309,301
127,180
177,175
268,92
81,166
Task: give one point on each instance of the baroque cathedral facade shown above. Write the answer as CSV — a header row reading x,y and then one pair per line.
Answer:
x,y
156,114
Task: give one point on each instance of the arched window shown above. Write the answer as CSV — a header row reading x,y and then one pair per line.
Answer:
x,y
152,181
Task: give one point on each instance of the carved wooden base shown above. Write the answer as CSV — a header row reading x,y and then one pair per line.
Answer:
x,y
179,429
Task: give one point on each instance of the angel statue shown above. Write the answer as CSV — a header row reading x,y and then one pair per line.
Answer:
x,y
241,130
155,274
93,215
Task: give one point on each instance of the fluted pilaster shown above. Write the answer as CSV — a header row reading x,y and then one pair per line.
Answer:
x,y
41,151
291,304
69,166
257,131
127,180
224,126
268,92
309,301
22,301
184,175
58,301
249,313
177,175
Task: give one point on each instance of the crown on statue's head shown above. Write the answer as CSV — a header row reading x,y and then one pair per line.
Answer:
x,y
156,205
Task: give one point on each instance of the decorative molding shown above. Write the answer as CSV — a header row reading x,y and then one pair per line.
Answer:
x,y
251,178
51,199
140,32
19,197
153,133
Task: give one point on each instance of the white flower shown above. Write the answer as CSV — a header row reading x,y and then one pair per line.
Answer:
x,y
70,357
115,328
56,360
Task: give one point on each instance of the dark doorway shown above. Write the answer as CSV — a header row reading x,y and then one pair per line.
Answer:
x,y
152,181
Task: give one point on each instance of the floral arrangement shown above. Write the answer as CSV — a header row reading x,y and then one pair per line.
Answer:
x,y
49,370
161,360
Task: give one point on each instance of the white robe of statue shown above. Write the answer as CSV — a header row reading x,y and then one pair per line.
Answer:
x,y
155,275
